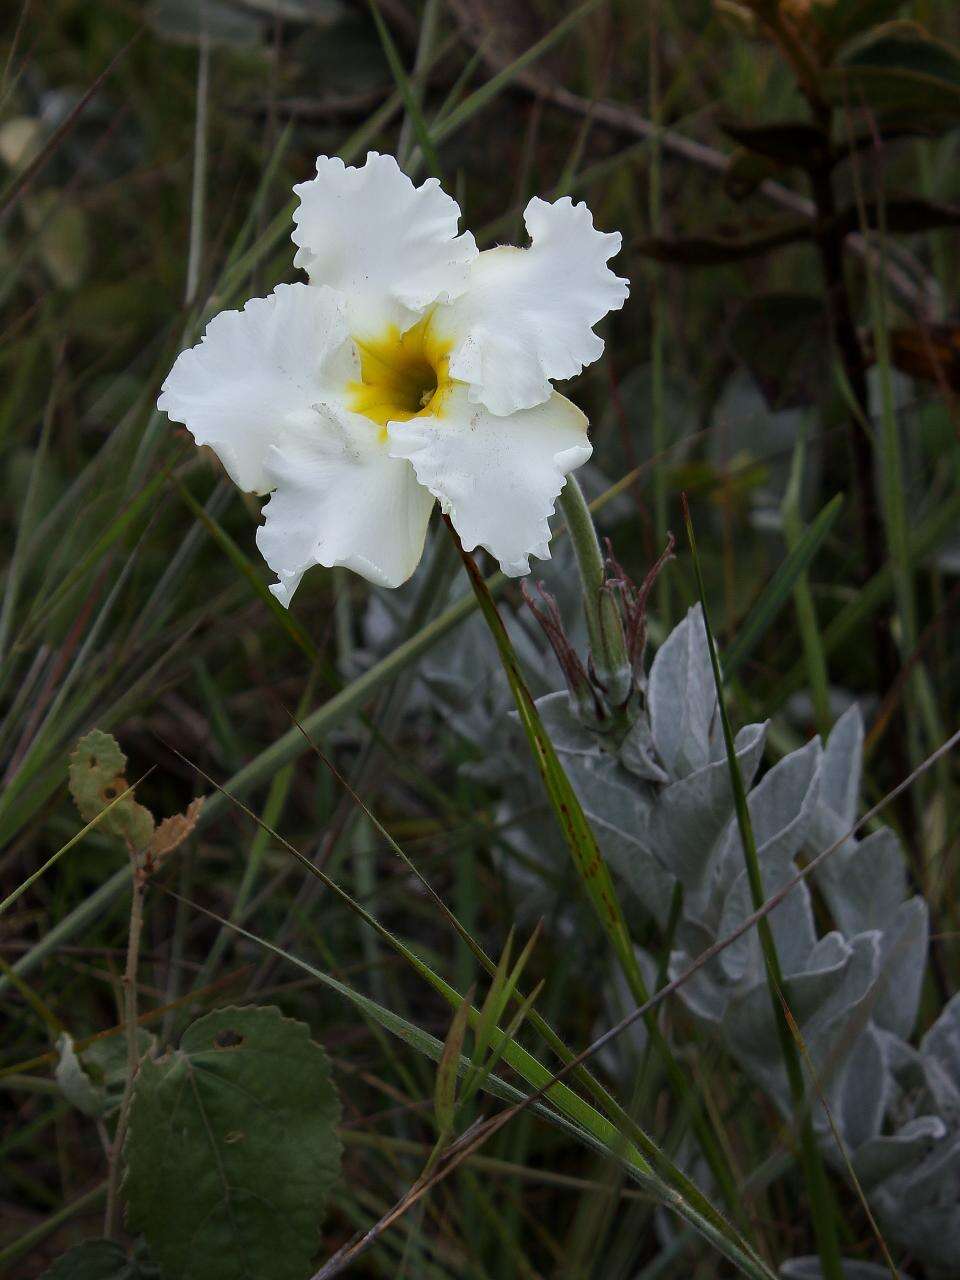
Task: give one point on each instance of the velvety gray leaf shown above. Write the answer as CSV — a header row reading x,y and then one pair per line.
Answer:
x,y
689,815
862,1094
841,975
618,808
903,959
192,21
864,882
708,991
682,697
918,1207
782,808
942,1041
809,1267
922,1085
782,802
638,754
791,923
886,1155
563,726
842,763
934,1180
75,1084
824,1000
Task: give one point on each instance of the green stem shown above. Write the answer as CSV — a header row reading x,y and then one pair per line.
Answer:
x,y
608,644
593,871
657,409
111,1223
26,1242
824,1217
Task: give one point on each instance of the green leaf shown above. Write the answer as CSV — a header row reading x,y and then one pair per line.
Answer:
x,y
231,1150
448,1068
897,70
96,779
99,1260
562,1107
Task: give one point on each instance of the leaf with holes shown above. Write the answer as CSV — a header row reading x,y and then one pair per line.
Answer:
x,y
232,1150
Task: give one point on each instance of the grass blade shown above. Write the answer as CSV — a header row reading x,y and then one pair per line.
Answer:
x,y
593,871
779,588
818,1188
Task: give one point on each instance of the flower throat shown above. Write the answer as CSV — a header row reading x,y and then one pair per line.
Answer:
x,y
402,375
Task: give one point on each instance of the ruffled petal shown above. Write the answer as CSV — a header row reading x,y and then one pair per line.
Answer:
x,y
528,314
496,477
391,247
341,499
257,373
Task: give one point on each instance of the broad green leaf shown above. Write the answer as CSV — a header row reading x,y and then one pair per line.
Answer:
x,y
232,1149
99,1260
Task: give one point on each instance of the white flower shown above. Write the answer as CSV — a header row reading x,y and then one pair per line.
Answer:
x,y
411,367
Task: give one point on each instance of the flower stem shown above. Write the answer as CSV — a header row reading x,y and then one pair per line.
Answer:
x,y
608,643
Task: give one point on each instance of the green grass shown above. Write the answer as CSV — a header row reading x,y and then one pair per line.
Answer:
x,y
133,599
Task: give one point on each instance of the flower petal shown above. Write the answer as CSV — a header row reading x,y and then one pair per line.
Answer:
x,y
528,314
391,247
341,499
256,372
496,477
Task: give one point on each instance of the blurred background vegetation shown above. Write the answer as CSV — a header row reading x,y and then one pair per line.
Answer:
x,y
147,155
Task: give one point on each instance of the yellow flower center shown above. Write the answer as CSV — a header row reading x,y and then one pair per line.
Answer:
x,y
402,375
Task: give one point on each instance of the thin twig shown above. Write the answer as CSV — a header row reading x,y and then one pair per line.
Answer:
x,y
111,1221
